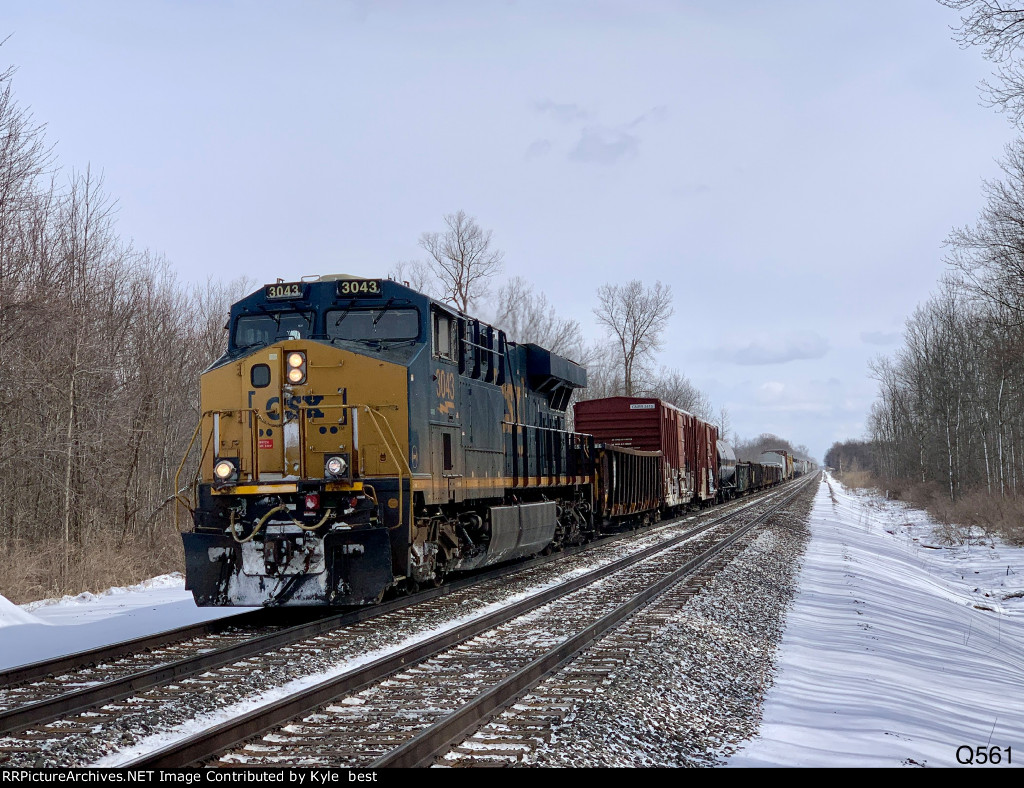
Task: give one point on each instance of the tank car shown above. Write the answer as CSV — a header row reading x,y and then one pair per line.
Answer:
x,y
727,480
358,436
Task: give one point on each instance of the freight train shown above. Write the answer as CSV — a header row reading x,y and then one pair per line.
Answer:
x,y
359,438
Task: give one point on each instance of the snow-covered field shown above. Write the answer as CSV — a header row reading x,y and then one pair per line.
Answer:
x,y
52,627
897,650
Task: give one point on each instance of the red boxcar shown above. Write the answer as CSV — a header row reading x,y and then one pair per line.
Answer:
x,y
688,444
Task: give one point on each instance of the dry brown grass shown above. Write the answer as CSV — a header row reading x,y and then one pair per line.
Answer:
x,y
860,479
1002,517
35,571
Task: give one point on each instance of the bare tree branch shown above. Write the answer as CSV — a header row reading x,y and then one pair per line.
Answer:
x,y
526,316
462,260
998,28
636,317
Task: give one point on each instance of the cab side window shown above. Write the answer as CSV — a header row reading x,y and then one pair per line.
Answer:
x,y
444,336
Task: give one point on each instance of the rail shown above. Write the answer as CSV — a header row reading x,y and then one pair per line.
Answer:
x,y
421,748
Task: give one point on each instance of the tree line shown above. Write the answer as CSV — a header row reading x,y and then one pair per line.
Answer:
x,y
100,354
947,425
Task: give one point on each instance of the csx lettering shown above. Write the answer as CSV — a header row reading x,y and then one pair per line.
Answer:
x,y
292,405
445,385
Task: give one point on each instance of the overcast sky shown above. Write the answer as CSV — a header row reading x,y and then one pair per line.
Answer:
x,y
790,167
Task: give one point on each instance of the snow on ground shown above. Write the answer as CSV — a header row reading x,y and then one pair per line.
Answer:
x,y
11,614
53,627
897,650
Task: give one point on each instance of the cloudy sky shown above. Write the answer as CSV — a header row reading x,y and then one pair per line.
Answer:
x,y
790,167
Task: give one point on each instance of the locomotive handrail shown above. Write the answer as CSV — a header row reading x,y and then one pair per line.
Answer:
x,y
398,452
372,410
195,478
547,429
181,467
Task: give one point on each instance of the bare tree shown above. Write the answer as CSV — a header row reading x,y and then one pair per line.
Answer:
x,y
526,316
209,309
990,255
724,423
997,27
416,274
604,373
672,386
462,259
636,317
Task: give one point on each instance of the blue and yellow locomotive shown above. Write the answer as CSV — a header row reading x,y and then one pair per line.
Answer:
x,y
358,436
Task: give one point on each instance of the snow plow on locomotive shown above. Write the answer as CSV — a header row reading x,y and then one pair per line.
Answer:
x,y
359,438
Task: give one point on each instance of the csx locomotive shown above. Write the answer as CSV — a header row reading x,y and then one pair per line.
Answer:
x,y
359,437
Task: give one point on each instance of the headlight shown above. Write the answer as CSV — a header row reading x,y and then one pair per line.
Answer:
x,y
335,466
225,470
296,362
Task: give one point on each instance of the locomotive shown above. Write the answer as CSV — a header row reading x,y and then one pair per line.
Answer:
x,y
359,437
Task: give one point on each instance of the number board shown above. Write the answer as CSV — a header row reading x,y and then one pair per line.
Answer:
x,y
283,291
357,287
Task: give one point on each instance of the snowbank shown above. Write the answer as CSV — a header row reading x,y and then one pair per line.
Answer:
x,y
54,627
11,614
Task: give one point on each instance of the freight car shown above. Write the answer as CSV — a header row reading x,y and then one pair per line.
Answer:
x,y
359,438
780,457
727,479
687,445
754,476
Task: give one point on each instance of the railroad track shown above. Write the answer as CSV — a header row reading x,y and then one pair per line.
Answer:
x,y
41,692
409,708
76,711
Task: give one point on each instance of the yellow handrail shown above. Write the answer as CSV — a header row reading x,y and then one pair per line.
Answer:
x,y
397,452
181,467
373,411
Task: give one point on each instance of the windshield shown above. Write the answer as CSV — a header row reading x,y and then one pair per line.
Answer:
x,y
381,324
258,330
